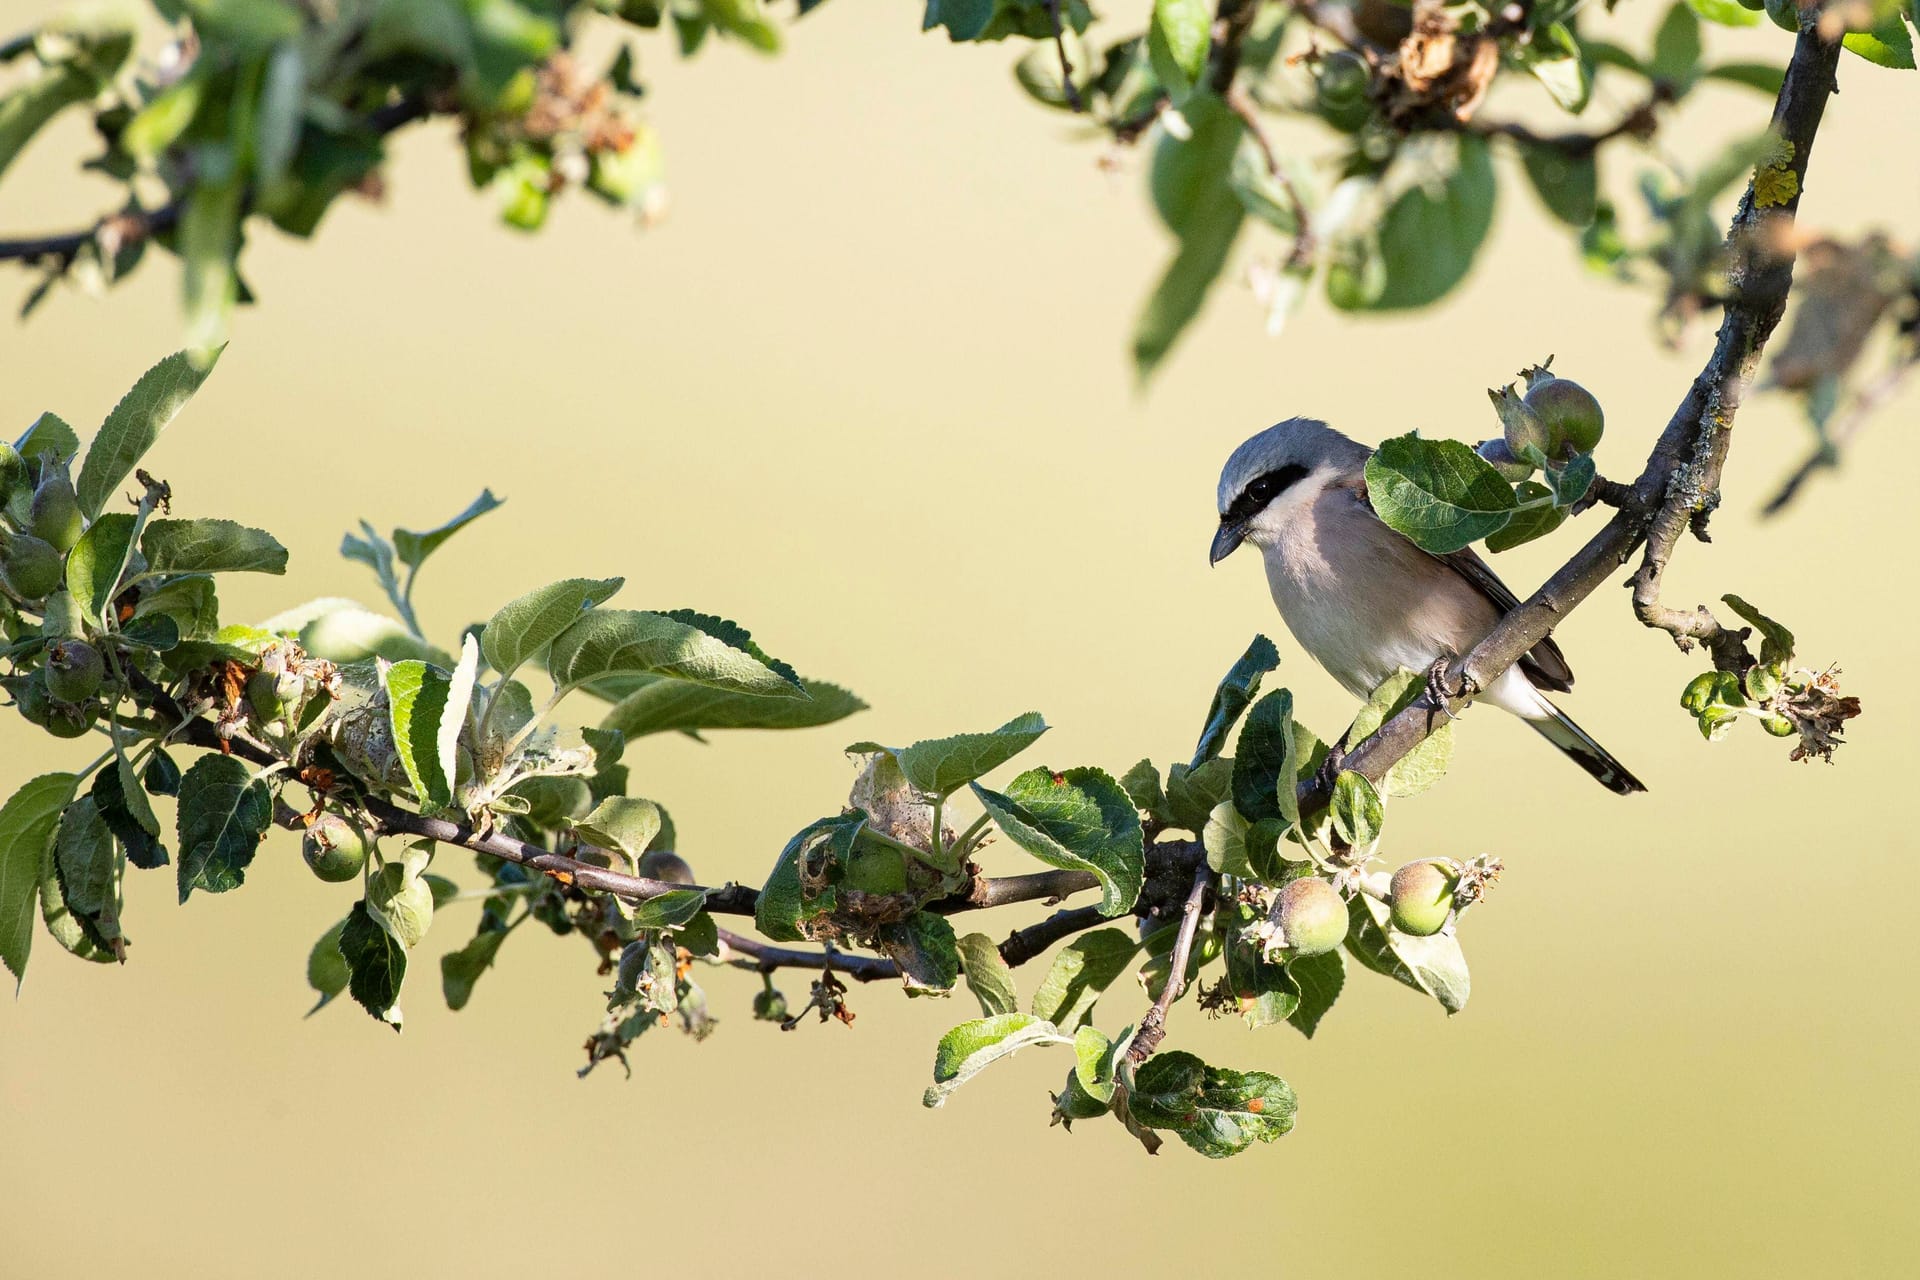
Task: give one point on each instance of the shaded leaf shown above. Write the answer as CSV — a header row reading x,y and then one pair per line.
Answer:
x,y
1439,494
988,976
223,814
1080,820
971,1047
210,546
136,423
939,766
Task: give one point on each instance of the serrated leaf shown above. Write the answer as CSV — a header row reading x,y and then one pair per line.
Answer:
x,y
1260,758
1356,810
116,794
1432,965
924,949
1776,642
210,546
413,548
971,1047
1319,980
460,970
1216,1112
377,963
622,824
1080,820
1439,199
1193,793
327,971
661,704
669,910
88,867
427,708
781,911
1528,523
1081,971
96,561
402,901
136,423
1231,698
609,642
224,812
1439,494
527,625
988,976
1142,784
1421,767
939,766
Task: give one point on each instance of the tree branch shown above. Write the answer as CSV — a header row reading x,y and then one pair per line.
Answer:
x,y
1020,946
1153,1027
1683,469
1827,453
132,226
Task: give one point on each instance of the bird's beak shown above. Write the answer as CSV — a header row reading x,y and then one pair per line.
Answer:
x,y
1225,541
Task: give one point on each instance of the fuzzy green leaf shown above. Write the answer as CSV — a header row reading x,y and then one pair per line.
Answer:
x,y
1081,819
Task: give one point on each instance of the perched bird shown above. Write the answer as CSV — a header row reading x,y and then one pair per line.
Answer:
x,y
1365,601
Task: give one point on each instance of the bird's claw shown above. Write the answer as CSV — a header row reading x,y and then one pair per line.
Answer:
x,y
1437,692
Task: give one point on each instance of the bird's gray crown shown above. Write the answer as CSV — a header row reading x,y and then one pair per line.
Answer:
x,y
1303,443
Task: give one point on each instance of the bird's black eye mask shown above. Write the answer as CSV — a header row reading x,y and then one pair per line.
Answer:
x,y
1266,486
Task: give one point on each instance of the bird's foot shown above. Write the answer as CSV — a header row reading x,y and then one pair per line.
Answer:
x,y
1329,770
1437,692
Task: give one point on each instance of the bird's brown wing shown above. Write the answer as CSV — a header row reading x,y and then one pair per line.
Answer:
x,y
1544,664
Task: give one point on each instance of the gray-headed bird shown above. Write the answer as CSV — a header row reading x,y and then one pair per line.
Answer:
x,y
1363,600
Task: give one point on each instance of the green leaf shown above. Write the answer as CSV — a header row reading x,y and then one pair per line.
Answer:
x,y
1265,991
1554,59
1081,971
1438,195
95,563
1421,767
116,795
1191,189
1260,764
377,962
661,704
988,976
925,950
49,436
622,824
1356,810
1528,523
224,813
1568,184
210,546
940,766
1676,47
1192,794
208,238
1177,42
27,823
1319,980
670,910
1439,494
971,1047
353,634
27,109
782,910
1886,44
1081,820
277,120
1216,1112
608,642
1763,76
427,708
401,900
327,971
413,548
1728,13
1433,965
1234,694
1142,784
135,423
1776,642
521,629
459,970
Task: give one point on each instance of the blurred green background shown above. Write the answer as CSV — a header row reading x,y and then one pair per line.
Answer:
x,y
866,391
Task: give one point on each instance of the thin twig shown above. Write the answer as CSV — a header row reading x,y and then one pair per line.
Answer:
x,y
1153,1027
1060,49
1837,436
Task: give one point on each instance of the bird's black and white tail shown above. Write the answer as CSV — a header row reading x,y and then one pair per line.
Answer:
x,y
1578,746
